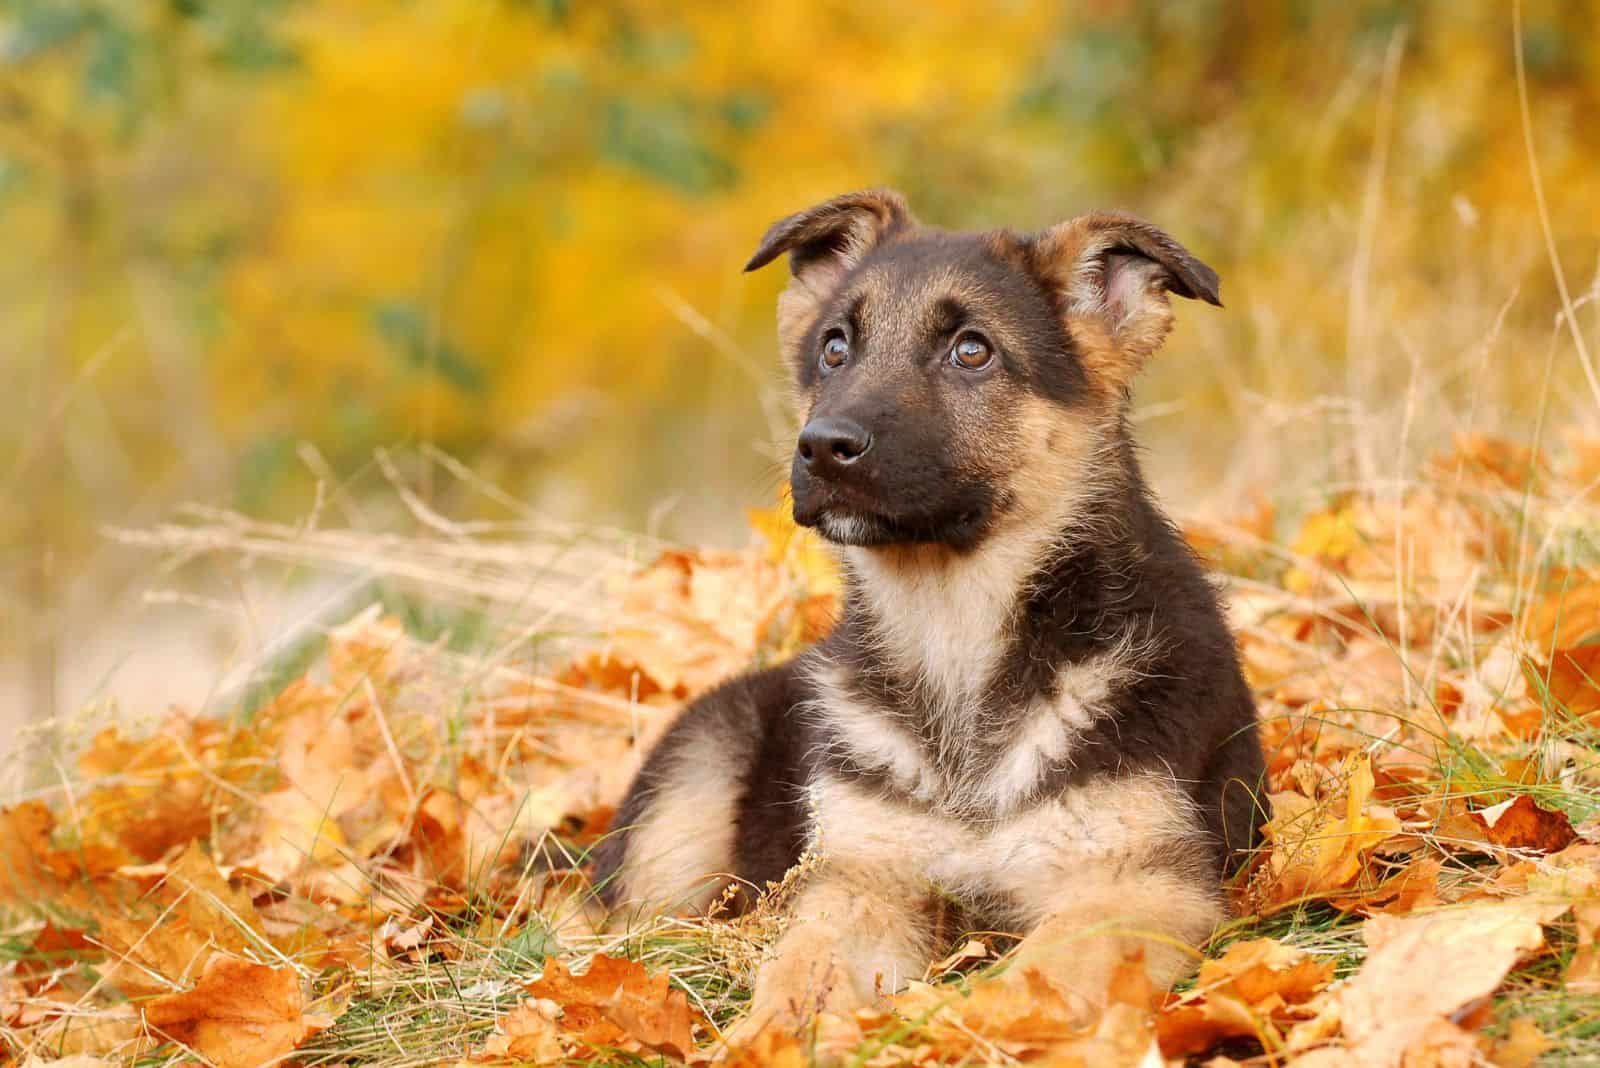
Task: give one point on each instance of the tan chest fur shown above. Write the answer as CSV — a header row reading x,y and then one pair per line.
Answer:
x,y
1087,837
963,771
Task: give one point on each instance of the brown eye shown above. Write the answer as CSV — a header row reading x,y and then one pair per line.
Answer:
x,y
835,351
971,354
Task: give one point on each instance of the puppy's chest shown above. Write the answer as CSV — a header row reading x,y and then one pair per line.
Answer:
x,y
985,754
1020,864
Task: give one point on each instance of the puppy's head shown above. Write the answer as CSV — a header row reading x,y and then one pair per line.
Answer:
x,y
954,382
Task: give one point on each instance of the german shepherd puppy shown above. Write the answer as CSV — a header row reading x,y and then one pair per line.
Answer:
x,y
1031,707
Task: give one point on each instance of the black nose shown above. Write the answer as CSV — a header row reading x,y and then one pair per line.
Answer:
x,y
828,443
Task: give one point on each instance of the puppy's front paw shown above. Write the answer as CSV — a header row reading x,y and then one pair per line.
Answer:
x,y
791,996
760,1039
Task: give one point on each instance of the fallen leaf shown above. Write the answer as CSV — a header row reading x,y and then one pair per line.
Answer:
x,y
88,1030
1493,461
617,1002
1567,617
33,872
1196,1027
158,792
1262,971
1516,824
239,1015
1025,1017
162,938
1421,969
1521,1047
1316,853
528,1033
28,872
773,1047
1029,1016
52,955
1249,992
1574,680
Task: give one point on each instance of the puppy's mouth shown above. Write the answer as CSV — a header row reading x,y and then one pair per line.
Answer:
x,y
853,525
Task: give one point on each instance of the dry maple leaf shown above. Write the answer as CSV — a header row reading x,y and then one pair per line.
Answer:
x,y
1030,1020
1413,887
292,833
1487,459
158,792
367,650
239,1015
75,1027
772,1047
161,938
1317,853
1568,617
616,1003
1516,824
1422,969
1249,992
33,872
29,871
527,1034
1574,680
298,823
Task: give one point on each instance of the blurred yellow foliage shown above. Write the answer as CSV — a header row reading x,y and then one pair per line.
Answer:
x,y
237,228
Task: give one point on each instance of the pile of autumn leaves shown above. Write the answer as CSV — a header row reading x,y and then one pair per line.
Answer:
x,y
1426,671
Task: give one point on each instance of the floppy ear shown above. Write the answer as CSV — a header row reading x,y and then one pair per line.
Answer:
x,y
1112,273
823,244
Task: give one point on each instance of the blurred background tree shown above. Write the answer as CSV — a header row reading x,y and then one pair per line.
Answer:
x,y
249,242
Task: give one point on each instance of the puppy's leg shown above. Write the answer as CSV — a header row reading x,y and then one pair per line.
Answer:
x,y
684,830
1107,916
852,934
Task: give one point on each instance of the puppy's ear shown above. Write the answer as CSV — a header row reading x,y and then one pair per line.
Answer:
x,y
1112,273
823,244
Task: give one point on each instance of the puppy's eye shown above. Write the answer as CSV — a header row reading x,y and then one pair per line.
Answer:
x,y
971,353
835,351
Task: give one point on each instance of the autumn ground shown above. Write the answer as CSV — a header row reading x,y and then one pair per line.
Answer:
x,y
377,858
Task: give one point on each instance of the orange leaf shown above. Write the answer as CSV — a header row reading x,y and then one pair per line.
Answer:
x,y
1261,968
1583,971
1414,886
526,1033
617,1000
156,793
772,1047
1522,1046
1246,993
189,914
1521,824
1568,617
240,1014
1493,461
1195,1027
1574,680
27,871
33,871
